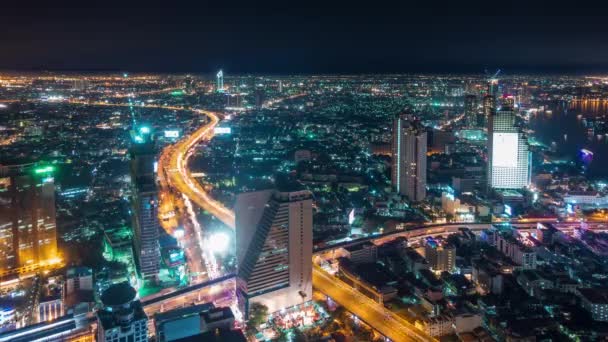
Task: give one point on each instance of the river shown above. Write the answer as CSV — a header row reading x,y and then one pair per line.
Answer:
x,y
563,124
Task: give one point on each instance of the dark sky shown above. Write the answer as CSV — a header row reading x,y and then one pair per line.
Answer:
x,y
303,36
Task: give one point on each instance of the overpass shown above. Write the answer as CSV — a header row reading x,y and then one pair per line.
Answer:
x,y
372,313
450,228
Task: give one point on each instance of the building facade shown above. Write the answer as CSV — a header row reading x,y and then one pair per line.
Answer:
x,y
440,255
470,110
409,149
144,204
122,317
28,234
274,248
509,162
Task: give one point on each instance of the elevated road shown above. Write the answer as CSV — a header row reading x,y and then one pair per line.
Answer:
x,y
175,162
376,315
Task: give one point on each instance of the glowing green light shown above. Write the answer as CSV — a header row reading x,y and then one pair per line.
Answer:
x,y
144,130
45,169
138,139
177,93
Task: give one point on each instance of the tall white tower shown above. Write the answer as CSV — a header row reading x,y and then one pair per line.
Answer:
x,y
409,157
508,150
220,81
274,248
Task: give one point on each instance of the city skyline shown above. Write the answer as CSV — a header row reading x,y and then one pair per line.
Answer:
x,y
294,202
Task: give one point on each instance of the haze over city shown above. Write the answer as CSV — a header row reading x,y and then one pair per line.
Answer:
x,y
303,172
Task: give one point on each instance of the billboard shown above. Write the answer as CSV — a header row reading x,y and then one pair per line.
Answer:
x,y
504,149
171,133
222,130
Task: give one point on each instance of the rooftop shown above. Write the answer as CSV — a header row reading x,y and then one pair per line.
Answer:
x,y
118,294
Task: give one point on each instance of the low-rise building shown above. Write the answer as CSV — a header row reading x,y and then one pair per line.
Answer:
x,y
363,253
436,326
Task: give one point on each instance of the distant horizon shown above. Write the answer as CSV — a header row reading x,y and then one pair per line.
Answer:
x,y
506,72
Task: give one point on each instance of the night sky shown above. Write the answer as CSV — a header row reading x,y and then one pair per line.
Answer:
x,y
283,37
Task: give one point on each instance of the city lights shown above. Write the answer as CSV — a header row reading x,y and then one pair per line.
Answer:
x,y
219,242
255,198
45,169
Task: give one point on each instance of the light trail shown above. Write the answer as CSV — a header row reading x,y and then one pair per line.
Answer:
x,y
206,254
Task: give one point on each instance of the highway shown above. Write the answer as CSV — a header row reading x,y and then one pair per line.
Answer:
x,y
174,162
376,315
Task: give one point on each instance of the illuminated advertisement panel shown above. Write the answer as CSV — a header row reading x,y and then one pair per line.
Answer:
x,y
504,149
172,134
222,130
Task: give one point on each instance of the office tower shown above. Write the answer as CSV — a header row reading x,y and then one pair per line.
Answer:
x,y
122,317
508,152
489,107
220,81
274,248
145,204
28,236
470,110
259,98
409,157
440,255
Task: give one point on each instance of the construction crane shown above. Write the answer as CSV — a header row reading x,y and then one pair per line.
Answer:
x,y
492,80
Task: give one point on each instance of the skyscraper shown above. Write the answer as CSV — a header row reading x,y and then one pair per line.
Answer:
x,y
220,81
470,110
409,157
274,248
122,317
508,150
145,204
28,236
489,107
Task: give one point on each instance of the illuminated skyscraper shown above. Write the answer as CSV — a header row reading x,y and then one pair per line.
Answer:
x,y
145,204
470,110
409,157
274,248
489,107
28,235
220,81
508,151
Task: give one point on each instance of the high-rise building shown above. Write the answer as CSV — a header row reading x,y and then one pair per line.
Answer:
x,y
145,204
440,255
508,151
409,157
274,248
28,235
470,110
122,317
259,98
489,107
220,81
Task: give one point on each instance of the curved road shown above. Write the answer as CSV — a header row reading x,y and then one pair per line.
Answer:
x,y
174,162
